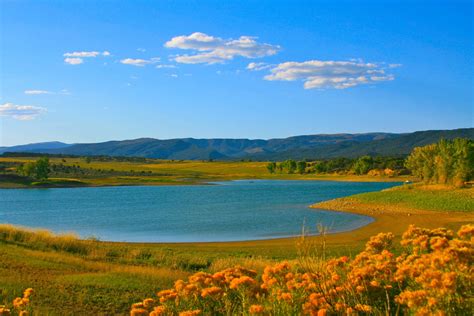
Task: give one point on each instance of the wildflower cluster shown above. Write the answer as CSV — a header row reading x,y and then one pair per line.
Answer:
x,y
204,293
438,272
21,305
433,276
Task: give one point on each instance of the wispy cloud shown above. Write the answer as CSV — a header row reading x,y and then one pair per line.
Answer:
x,y
258,66
141,50
139,62
73,61
394,65
211,50
38,92
161,66
77,58
20,112
317,74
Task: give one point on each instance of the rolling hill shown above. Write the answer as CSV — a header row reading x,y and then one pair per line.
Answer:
x,y
34,147
297,147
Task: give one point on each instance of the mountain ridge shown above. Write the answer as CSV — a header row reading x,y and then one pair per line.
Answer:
x,y
316,146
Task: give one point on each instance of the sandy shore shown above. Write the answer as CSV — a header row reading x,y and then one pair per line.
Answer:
x,y
389,218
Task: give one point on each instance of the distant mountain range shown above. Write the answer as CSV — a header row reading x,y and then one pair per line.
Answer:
x,y
39,147
298,147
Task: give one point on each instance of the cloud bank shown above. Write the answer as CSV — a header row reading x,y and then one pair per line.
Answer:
x,y
20,112
317,74
212,50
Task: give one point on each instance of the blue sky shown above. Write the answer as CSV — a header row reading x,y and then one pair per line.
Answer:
x,y
85,71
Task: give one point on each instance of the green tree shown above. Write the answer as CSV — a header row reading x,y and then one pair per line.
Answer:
x,y
271,167
320,167
447,162
363,165
301,167
279,167
39,170
290,165
463,166
42,168
444,161
27,169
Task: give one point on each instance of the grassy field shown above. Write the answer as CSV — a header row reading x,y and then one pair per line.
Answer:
x,y
86,277
166,172
431,198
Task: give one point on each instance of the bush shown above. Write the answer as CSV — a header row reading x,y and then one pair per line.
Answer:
x,y
433,275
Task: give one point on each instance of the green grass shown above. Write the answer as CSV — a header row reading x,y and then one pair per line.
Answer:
x,y
432,198
67,284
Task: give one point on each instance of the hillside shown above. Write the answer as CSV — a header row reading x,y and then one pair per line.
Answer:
x,y
34,147
393,146
297,147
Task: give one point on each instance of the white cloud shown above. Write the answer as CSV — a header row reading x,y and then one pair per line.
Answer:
x,y
382,78
258,66
142,50
77,58
394,65
73,61
38,92
139,62
86,54
174,75
213,50
329,74
20,112
165,66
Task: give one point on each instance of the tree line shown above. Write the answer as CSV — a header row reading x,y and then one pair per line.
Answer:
x,y
446,162
360,166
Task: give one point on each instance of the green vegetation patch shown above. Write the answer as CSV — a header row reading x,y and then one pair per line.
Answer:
x,y
434,199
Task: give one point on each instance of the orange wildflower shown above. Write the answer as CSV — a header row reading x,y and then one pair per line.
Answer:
x,y
256,309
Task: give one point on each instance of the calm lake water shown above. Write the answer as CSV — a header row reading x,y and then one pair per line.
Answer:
x,y
235,210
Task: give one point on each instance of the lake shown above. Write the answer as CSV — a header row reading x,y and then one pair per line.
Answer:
x,y
225,211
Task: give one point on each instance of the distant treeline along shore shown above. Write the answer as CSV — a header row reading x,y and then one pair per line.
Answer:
x,y
446,162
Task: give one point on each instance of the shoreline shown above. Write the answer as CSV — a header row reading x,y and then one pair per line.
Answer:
x,y
393,218
76,183
386,218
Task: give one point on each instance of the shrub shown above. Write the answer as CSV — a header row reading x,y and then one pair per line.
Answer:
x,y
432,276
